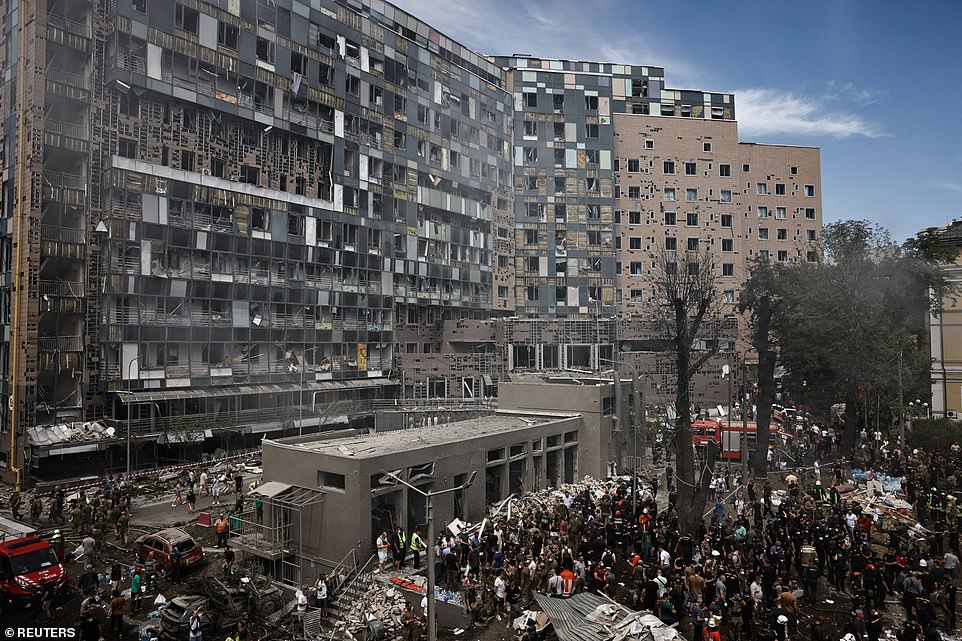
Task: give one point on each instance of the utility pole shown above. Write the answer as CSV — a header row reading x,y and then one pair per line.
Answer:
x,y
619,414
901,407
641,424
429,592
640,420
744,443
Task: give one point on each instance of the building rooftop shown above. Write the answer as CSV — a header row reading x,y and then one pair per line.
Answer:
x,y
561,377
381,443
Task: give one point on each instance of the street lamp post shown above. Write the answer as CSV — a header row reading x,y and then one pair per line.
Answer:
x,y
432,622
130,406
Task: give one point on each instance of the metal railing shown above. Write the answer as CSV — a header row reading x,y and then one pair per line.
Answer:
x,y
67,78
65,180
73,26
359,574
60,288
432,404
61,343
63,234
132,62
54,126
258,535
269,415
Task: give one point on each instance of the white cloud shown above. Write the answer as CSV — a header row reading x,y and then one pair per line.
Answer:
x,y
765,112
559,29
864,96
947,185
554,29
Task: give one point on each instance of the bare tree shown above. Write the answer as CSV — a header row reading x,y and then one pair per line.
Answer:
x,y
686,306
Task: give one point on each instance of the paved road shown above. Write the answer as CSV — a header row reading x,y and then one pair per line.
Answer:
x,y
160,514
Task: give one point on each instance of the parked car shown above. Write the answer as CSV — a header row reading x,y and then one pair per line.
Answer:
x,y
162,543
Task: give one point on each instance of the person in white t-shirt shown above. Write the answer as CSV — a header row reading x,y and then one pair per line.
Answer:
x,y
383,547
500,587
301,604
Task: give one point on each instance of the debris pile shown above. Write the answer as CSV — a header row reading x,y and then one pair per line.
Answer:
x,y
46,435
381,601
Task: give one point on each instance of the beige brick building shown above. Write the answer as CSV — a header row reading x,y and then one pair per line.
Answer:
x,y
688,184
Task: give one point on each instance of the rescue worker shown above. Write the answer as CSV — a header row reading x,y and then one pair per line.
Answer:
x,y
399,547
409,622
222,527
818,492
15,502
417,545
713,634
88,517
53,514
123,524
76,519
36,507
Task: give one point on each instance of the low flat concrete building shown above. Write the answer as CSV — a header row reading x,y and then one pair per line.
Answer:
x,y
511,451
602,447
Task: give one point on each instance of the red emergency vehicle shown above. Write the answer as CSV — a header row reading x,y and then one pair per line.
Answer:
x,y
727,435
29,562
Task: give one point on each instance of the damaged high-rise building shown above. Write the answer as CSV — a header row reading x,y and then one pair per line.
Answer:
x,y
222,218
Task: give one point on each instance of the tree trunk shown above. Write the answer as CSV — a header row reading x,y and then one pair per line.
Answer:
x,y
692,488
850,426
763,421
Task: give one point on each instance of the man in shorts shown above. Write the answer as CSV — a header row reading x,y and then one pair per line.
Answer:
x,y
383,547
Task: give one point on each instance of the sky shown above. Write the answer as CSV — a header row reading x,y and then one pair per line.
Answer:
x,y
877,85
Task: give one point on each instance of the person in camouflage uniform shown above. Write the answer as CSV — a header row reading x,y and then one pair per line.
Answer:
x,y
123,524
36,508
16,501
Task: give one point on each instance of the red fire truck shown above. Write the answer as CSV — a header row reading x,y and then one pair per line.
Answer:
x,y
727,435
29,562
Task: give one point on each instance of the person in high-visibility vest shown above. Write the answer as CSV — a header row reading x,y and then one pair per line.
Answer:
x,y
400,547
567,583
222,527
417,545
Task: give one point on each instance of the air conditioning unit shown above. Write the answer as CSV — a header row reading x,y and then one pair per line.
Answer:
x,y
951,414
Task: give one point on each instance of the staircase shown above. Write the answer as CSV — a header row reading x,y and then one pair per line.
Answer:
x,y
356,585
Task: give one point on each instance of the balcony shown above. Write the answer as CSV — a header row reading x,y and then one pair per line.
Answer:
x,y
63,180
71,79
75,27
60,288
61,343
132,62
59,127
63,235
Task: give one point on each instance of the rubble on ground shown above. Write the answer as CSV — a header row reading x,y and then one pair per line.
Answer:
x,y
383,601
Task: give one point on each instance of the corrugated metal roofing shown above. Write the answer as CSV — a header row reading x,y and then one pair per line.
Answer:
x,y
570,622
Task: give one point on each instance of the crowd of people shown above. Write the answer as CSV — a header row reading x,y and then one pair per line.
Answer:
x,y
767,549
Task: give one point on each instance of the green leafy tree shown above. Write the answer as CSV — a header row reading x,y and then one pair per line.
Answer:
x,y
850,325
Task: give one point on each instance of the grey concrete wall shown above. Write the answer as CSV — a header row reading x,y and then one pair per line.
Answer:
x,y
348,512
598,443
